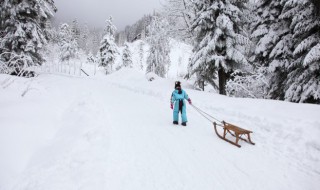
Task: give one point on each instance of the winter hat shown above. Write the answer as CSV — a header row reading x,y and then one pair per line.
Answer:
x,y
177,84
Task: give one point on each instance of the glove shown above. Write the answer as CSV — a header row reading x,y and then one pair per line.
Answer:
x,y
171,106
189,100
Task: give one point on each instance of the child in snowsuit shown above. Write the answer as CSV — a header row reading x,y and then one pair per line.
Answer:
x,y
177,98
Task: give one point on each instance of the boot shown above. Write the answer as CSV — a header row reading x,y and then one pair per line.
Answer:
x,y
184,124
175,122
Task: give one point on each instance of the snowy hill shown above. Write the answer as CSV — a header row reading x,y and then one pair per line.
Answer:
x,y
116,132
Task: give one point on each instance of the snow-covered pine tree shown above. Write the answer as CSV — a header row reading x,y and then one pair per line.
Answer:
x,y
94,40
49,30
158,60
267,29
141,54
127,56
84,38
23,34
75,30
303,81
273,45
220,38
68,45
110,29
108,48
252,81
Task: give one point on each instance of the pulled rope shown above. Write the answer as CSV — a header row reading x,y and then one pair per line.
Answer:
x,y
206,115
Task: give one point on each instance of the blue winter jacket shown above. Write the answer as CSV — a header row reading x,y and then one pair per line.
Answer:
x,y
175,97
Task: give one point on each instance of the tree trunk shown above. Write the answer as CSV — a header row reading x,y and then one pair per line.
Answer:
x,y
222,80
202,85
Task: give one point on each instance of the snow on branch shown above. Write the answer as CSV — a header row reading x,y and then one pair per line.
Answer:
x,y
241,40
282,47
313,55
260,31
306,44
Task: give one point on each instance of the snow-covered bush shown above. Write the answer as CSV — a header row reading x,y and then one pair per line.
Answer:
x,y
244,84
151,76
91,59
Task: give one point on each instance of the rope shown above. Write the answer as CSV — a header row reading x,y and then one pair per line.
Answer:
x,y
205,115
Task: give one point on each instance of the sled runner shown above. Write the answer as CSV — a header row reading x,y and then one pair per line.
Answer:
x,y
235,131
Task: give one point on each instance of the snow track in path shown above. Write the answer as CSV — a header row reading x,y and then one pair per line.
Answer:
x,y
77,156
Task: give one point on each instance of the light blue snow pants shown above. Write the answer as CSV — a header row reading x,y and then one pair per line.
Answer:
x,y
183,112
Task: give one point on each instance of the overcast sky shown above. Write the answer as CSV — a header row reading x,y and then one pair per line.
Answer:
x,y
95,12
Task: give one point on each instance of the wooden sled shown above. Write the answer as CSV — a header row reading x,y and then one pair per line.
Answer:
x,y
235,131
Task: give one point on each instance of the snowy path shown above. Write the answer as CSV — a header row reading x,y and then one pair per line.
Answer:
x,y
118,135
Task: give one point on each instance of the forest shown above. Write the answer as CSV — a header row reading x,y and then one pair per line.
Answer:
x,y
268,49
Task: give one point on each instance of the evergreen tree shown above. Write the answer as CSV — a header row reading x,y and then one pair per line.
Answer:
x,y
23,32
127,56
84,38
303,81
141,54
220,38
287,36
75,30
110,29
68,45
267,30
273,48
94,40
158,60
108,48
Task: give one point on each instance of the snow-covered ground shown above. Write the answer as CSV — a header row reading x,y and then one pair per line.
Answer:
x,y
116,132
